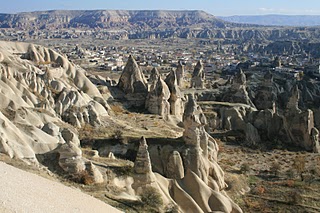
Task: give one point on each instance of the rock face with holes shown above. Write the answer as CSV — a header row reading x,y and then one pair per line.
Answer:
x,y
198,76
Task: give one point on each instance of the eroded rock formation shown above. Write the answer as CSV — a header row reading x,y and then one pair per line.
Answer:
x,y
266,95
142,168
157,99
198,76
237,93
176,98
133,84
70,154
196,175
180,74
40,91
154,76
132,79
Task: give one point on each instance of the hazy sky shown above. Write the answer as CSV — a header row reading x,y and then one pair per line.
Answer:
x,y
215,7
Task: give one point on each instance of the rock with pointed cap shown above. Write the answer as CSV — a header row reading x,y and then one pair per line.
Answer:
x,y
132,79
193,120
298,127
157,99
293,103
266,95
154,76
180,73
142,164
198,76
94,173
142,168
202,153
176,102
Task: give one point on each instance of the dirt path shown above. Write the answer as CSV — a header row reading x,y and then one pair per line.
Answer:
x,y
25,192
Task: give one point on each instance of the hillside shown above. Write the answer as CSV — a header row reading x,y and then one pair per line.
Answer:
x,y
147,24
275,20
144,19
37,189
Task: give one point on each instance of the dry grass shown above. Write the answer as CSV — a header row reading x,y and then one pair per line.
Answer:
x,y
117,109
271,192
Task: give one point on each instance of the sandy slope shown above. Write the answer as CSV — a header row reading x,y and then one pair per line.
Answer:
x,y
25,192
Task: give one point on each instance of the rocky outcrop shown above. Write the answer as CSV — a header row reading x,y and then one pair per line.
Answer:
x,y
40,91
237,93
198,139
194,173
266,95
175,169
132,79
180,74
142,168
299,124
70,158
157,24
153,79
157,99
315,140
201,156
94,173
252,135
198,76
133,84
293,103
128,19
176,98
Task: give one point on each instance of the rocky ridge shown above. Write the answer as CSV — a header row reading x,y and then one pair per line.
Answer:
x,y
41,92
145,19
149,24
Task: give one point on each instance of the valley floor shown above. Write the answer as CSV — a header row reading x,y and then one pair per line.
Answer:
x,y
271,190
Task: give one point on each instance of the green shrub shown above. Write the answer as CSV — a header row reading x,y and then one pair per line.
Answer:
x,y
152,197
275,168
245,168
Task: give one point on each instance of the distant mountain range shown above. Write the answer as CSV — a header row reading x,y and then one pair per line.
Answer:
x,y
153,24
275,20
122,19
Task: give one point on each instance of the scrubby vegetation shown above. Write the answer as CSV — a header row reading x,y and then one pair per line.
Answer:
x,y
279,181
